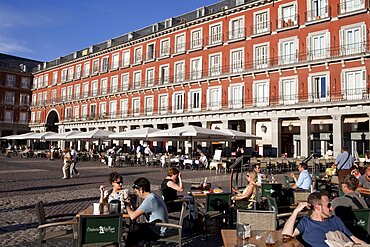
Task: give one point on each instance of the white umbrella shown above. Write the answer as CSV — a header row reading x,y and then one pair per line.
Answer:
x,y
97,134
17,137
38,136
136,134
62,136
238,135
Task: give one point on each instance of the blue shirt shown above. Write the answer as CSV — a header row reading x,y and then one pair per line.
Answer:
x,y
340,161
154,208
313,232
304,180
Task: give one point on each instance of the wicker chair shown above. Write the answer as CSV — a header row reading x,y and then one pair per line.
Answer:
x,y
300,196
259,220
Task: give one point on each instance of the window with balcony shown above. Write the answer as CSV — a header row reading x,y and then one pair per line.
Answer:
x,y
124,107
195,101
33,117
261,93
125,82
34,99
93,111
104,86
214,98
180,43
104,64
64,75
85,90
179,75
70,73
54,80
178,102
237,60
215,64
94,88
23,117
138,55
45,98
112,109
84,111
288,51
348,6
114,84
78,71
236,29
95,68
164,74
76,112
149,105
196,39
137,79
150,52
261,56
39,98
318,46
352,40
125,58
103,110
77,91
25,82
236,96
215,34
353,83
69,93
8,116
317,9
136,107
9,98
24,99
163,104
46,80
165,48
64,94
196,68
288,91
38,117
261,22
149,77
87,69
318,88
287,15
68,113
115,61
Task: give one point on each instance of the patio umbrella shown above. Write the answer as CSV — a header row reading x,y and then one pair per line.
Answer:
x,y
38,136
136,134
238,135
62,136
18,137
97,134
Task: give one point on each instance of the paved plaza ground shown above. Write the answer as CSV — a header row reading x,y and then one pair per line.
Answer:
x,y
24,182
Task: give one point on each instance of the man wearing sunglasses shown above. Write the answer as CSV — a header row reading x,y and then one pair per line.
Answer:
x,y
314,227
153,208
365,181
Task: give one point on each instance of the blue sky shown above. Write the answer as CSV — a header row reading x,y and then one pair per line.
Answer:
x,y
46,29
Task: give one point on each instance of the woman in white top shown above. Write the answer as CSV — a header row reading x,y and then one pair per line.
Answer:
x,y
115,193
249,193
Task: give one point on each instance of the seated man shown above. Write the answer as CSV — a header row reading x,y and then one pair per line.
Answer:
x,y
314,227
153,208
304,180
260,176
364,181
351,200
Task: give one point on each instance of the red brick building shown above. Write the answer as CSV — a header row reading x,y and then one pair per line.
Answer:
x,y
293,72
15,94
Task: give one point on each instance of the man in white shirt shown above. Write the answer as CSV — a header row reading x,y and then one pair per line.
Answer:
x,y
74,172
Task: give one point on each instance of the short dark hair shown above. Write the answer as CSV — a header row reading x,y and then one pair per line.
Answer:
x,y
345,148
114,176
304,166
315,198
351,182
142,183
255,166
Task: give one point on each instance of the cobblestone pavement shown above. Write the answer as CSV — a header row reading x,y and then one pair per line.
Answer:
x,y
23,182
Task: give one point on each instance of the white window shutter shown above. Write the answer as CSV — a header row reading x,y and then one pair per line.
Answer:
x,y
364,79
190,101
280,18
308,45
295,14
363,37
343,82
229,97
327,44
242,96
173,103
342,43
280,52
207,99
309,89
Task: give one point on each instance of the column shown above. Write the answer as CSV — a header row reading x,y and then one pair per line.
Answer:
x,y
304,134
275,134
250,128
168,143
204,125
155,143
337,134
186,143
225,125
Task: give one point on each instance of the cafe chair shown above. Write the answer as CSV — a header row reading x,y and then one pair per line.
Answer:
x,y
259,220
300,196
174,231
46,234
280,217
216,208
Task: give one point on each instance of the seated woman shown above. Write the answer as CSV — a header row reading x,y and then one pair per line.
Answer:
x,y
250,192
115,193
170,185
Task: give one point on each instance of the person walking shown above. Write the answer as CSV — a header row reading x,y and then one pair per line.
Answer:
x,y
344,163
67,161
74,171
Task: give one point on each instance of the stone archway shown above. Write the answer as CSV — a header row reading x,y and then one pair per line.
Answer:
x,y
51,121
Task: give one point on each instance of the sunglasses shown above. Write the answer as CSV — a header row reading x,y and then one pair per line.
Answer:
x,y
119,182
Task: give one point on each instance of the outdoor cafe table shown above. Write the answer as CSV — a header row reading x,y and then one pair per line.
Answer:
x,y
230,239
90,209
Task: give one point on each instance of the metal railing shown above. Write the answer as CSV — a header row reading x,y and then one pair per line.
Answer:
x,y
318,14
287,21
351,6
260,28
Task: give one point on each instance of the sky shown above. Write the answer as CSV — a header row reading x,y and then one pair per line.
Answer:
x,y
44,30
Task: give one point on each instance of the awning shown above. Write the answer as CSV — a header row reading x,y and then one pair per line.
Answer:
x,y
322,121
356,119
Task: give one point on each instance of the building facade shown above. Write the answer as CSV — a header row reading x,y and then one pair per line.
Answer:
x,y
15,93
293,72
